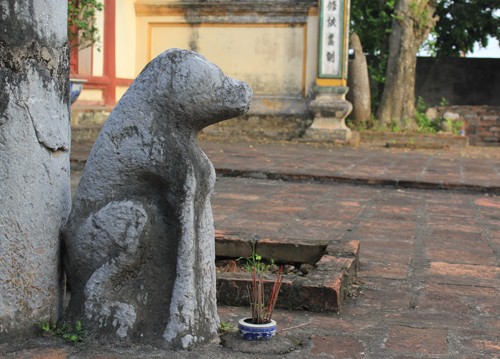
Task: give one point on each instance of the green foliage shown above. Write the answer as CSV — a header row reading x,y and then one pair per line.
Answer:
x,y
255,261
357,126
463,23
73,334
429,44
453,126
456,126
225,327
394,126
421,106
372,21
444,102
82,30
421,15
425,125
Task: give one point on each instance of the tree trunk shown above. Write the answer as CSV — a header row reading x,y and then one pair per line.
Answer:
x,y
412,23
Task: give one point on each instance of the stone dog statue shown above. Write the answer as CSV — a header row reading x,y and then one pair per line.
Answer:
x,y
139,242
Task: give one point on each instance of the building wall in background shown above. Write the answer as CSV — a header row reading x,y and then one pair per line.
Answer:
x,y
271,45
461,81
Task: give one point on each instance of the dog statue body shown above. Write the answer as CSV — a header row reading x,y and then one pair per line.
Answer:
x,y
139,242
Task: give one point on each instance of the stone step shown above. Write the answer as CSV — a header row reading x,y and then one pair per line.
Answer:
x,y
85,133
82,116
287,250
324,288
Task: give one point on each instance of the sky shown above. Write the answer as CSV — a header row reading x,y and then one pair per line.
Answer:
x,y
492,50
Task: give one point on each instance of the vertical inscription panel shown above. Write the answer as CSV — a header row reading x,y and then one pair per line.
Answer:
x,y
332,41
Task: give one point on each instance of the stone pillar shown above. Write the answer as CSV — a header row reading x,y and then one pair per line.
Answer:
x,y
34,160
329,106
330,109
359,83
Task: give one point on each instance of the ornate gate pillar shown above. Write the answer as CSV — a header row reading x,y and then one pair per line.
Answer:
x,y
329,106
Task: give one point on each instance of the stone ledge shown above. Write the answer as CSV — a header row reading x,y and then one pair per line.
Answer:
x,y
288,250
291,250
234,244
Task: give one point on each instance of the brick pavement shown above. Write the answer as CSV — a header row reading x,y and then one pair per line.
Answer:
x,y
444,169
429,258
429,263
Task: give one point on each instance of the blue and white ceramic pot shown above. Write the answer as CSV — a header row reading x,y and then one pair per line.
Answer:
x,y
249,331
75,88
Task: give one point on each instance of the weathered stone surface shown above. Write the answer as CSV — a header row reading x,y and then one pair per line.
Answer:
x,y
358,82
426,341
260,125
34,160
284,250
291,250
140,239
432,113
234,244
330,109
279,345
452,116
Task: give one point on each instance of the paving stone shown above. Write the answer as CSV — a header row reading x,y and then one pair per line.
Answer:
x,y
337,347
320,233
320,295
385,270
290,250
408,340
41,353
472,255
422,318
378,250
464,273
234,244
479,344
381,295
346,250
442,297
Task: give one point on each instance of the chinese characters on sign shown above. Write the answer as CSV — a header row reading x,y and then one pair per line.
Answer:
x,y
331,38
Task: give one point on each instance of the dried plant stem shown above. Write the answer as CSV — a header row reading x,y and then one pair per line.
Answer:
x,y
262,313
295,327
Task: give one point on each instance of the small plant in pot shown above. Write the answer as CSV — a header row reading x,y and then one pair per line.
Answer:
x,y
261,326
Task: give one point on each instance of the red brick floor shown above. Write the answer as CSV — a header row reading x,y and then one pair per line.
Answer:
x,y
434,169
429,263
429,258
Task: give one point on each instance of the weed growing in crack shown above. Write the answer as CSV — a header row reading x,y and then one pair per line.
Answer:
x,y
70,333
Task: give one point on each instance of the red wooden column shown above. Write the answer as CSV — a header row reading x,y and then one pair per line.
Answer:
x,y
109,53
73,61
